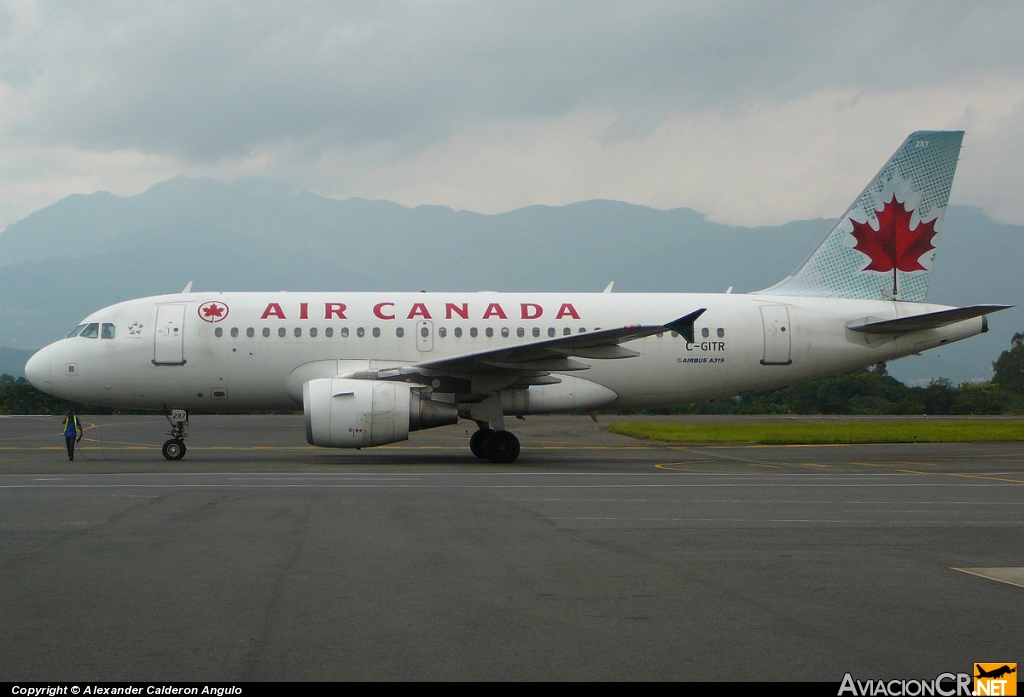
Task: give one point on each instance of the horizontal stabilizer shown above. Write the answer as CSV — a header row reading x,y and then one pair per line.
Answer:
x,y
684,325
929,320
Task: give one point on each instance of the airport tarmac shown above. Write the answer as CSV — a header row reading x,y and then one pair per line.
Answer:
x,y
593,557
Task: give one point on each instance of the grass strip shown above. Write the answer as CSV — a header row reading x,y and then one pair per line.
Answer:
x,y
803,433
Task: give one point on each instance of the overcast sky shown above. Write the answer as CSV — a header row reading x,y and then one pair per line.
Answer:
x,y
752,113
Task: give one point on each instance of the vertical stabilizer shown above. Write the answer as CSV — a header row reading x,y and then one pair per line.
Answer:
x,y
884,245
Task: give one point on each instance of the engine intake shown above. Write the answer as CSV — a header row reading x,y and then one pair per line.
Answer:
x,y
346,413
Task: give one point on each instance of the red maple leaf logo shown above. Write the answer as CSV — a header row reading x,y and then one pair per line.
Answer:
x,y
894,246
213,312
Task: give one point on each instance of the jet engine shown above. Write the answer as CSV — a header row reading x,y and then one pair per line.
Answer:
x,y
346,413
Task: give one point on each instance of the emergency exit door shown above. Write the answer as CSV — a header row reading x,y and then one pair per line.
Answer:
x,y
168,339
425,335
777,340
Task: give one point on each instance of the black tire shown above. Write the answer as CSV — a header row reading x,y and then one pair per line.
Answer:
x,y
174,449
502,447
476,442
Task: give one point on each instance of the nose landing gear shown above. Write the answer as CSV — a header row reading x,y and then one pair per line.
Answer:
x,y
174,449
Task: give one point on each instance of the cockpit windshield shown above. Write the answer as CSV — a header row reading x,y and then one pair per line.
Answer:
x,y
94,330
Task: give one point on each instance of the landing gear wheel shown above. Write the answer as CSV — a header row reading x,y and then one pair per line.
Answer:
x,y
476,443
174,449
501,447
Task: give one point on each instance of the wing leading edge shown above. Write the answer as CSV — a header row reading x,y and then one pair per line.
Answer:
x,y
538,359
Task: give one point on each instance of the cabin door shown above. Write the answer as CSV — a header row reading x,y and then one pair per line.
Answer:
x,y
168,339
777,340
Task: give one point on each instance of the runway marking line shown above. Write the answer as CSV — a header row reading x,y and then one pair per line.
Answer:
x,y
672,467
965,476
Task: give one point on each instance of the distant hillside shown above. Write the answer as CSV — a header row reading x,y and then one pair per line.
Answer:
x,y
85,252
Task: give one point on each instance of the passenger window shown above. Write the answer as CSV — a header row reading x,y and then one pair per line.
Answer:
x,y
504,331
551,331
107,331
400,332
705,333
329,332
360,332
282,332
312,332
344,332
75,331
376,332
489,332
91,331
536,331
298,332
218,332
566,331
520,332
234,332
721,332
250,332
583,329
458,332
675,335
472,332
442,332
266,331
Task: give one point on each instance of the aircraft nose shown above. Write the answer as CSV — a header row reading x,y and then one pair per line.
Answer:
x,y
37,370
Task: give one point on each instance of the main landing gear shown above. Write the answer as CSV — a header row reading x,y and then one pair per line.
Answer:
x,y
496,446
174,449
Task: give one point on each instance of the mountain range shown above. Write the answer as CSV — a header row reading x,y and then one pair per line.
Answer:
x,y
87,251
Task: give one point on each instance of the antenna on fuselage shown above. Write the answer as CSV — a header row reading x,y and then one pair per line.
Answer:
x,y
188,288
609,288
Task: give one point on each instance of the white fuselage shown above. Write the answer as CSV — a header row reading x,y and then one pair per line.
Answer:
x,y
246,351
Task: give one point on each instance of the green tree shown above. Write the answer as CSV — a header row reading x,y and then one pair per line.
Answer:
x,y
1009,367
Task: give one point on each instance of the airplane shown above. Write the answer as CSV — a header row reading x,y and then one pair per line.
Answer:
x,y
994,673
368,368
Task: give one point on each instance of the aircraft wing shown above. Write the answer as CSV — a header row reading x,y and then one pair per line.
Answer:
x,y
537,359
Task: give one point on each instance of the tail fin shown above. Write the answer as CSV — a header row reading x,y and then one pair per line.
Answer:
x,y
883,246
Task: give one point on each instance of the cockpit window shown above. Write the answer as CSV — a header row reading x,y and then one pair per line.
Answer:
x,y
107,331
91,331
76,330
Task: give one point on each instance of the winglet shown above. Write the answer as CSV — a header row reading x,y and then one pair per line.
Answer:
x,y
684,325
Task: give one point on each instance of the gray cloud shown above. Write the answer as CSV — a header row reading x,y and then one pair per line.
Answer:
x,y
206,81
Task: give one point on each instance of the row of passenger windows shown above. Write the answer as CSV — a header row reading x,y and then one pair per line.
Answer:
x,y
424,332
94,330
107,330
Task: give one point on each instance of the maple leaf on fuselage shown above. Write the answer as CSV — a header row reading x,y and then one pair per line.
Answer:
x,y
894,245
213,311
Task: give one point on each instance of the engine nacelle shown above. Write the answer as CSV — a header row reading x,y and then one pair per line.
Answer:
x,y
569,394
346,413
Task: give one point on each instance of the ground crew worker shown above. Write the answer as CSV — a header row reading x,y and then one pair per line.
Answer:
x,y
72,426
